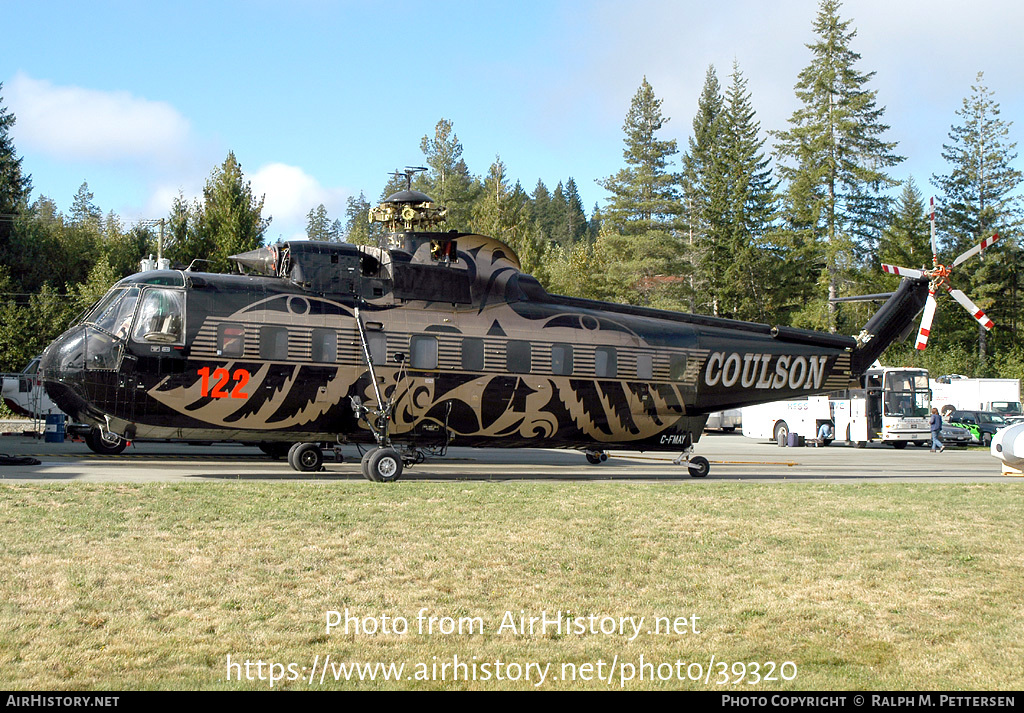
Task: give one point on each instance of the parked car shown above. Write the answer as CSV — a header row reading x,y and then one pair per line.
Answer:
x,y
982,424
951,435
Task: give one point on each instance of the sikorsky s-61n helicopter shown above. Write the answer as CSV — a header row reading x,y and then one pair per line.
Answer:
x,y
437,340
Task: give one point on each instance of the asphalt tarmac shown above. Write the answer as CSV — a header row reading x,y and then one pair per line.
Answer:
x,y
733,457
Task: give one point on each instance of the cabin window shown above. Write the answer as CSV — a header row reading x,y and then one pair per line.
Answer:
x,y
606,362
378,345
644,367
325,345
519,357
230,340
561,359
424,352
274,343
161,316
472,354
677,367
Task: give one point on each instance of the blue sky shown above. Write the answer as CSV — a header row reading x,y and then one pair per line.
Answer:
x,y
321,99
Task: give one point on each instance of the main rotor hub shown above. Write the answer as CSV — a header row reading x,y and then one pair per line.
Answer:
x,y
408,211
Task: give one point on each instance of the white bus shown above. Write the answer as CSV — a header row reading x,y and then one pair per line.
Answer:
x,y
892,405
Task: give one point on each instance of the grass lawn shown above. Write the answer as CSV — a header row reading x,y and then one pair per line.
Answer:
x,y
859,586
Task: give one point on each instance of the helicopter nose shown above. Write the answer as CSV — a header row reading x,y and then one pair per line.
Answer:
x,y
62,370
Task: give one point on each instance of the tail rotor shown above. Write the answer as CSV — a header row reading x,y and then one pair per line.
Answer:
x,y
938,277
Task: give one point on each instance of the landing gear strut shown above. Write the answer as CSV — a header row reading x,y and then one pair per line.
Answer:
x,y
699,466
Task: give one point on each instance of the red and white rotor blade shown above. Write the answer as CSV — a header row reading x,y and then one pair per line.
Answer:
x,y
976,249
903,271
965,301
926,322
935,250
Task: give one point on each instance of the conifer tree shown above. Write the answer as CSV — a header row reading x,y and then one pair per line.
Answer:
x,y
448,182
639,243
833,160
645,194
907,239
319,226
358,230
15,187
754,285
704,198
231,219
980,196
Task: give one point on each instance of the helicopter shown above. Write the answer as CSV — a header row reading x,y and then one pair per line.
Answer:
x,y
435,339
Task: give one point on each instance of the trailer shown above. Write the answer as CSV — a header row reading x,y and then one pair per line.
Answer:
x,y
960,393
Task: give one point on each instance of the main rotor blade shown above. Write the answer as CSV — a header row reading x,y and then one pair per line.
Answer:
x,y
965,301
976,249
904,271
926,321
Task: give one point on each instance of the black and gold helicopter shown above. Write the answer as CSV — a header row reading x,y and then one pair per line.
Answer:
x,y
437,340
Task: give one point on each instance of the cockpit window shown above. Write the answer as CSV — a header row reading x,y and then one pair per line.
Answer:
x,y
161,317
114,313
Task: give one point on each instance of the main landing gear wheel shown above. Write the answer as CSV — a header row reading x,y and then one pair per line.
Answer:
x,y
306,457
596,457
106,444
699,467
382,465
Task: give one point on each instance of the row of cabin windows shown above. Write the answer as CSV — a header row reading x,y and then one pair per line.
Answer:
x,y
423,353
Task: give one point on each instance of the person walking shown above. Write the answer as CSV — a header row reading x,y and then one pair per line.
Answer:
x,y
935,423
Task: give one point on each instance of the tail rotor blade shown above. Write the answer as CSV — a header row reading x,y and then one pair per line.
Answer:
x,y
966,303
904,271
926,322
976,249
935,250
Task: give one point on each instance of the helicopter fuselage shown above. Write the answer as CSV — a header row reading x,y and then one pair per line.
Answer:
x,y
455,346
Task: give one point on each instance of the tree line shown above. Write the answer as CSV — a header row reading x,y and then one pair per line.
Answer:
x,y
739,223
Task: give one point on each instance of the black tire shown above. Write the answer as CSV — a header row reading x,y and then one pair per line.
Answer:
x,y
364,465
275,449
596,458
306,458
109,445
781,433
384,465
699,467
899,445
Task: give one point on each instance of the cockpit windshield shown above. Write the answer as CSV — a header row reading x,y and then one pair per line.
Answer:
x,y
161,317
113,314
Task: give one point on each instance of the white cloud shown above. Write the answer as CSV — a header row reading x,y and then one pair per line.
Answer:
x,y
72,123
290,193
